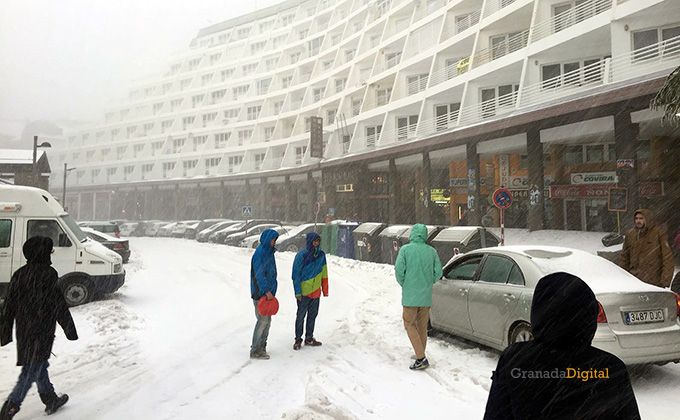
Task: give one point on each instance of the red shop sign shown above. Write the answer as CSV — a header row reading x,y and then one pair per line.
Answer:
x,y
580,191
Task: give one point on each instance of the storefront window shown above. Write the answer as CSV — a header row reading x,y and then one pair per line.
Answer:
x,y
595,153
573,155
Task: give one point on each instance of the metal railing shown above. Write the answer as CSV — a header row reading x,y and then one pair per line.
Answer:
x,y
416,86
468,22
494,6
449,72
438,124
503,48
569,18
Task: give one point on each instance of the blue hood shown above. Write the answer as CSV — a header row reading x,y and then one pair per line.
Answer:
x,y
266,238
312,253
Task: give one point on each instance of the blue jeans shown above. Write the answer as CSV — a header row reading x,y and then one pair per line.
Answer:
x,y
261,331
35,372
310,307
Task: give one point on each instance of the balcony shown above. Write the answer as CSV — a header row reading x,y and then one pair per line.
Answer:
x,y
501,48
569,18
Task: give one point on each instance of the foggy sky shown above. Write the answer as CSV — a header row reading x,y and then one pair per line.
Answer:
x,y
67,59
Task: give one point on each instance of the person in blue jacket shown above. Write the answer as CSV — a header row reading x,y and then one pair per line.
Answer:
x,y
310,279
263,283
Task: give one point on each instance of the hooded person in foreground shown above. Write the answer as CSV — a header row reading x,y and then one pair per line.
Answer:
x,y
310,279
560,375
263,282
36,303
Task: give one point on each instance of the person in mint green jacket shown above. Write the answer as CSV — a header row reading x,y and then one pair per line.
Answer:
x,y
417,269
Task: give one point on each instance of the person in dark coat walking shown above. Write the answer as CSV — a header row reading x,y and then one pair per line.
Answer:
x,y
559,374
36,303
263,282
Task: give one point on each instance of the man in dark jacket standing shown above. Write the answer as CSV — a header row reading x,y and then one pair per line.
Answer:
x,y
36,303
560,375
263,282
646,253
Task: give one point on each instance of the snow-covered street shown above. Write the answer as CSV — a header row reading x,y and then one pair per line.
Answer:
x,y
173,343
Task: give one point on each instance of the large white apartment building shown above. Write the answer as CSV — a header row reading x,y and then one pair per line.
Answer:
x,y
385,76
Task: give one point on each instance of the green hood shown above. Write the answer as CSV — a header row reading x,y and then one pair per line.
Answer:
x,y
418,233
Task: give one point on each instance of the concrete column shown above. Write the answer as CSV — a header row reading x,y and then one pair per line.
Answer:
x,y
426,185
94,206
263,202
223,200
291,200
361,203
176,209
79,205
626,143
312,198
474,217
393,185
536,217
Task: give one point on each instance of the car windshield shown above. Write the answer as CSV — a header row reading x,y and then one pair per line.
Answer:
x,y
73,227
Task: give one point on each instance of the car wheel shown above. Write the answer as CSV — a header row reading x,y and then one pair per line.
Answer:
x,y
76,291
521,332
292,248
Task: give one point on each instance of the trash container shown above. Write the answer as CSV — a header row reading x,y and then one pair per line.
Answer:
x,y
366,244
460,239
345,241
432,231
389,242
329,237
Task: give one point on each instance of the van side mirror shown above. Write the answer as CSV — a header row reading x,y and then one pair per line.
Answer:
x,y
64,241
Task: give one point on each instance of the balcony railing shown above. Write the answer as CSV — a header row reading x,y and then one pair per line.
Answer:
x,y
469,21
494,6
569,18
438,124
454,69
503,48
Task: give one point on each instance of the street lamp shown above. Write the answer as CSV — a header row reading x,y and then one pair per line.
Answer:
x,y
66,171
35,156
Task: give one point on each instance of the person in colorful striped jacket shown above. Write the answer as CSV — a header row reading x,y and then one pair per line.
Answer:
x,y
310,279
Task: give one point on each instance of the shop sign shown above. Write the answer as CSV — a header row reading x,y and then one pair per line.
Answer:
x,y
651,189
618,199
580,191
463,182
521,182
440,196
594,178
625,163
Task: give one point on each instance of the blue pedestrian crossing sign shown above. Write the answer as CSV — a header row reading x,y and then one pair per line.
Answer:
x,y
247,210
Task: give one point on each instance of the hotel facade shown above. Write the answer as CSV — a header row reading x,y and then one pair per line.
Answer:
x,y
427,107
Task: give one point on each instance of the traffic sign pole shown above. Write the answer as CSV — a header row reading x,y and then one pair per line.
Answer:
x,y
502,199
502,226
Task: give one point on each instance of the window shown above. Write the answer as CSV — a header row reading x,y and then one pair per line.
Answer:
x,y
211,164
464,270
137,149
155,147
49,229
573,155
165,125
287,20
194,63
242,33
127,171
270,63
206,78
406,127
259,158
244,135
196,100
184,84
330,116
168,167
209,118
285,81
146,168
268,133
295,57
303,33
131,130
221,140
240,91
187,121
496,269
648,38
446,115
225,74
110,172
263,86
5,233
218,94
299,154
199,141
392,59
499,97
314,45
253,112
356,106
277,107
257,47
175,104
147,127
317,94
187,166
120,152
214,58
372,134
382,96
501,45
595,153
157,108
349,55
233,162
249,69
177,145
231,113
417,83
340,85
516,276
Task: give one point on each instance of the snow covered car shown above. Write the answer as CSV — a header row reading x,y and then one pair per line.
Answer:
x,y
153,228
203,235
181,227
194,229
166,230
236,237
117,245
105,227
253,240
127,229
485,296
295,239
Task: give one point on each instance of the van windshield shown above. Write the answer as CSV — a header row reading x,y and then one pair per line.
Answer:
x,y
73,227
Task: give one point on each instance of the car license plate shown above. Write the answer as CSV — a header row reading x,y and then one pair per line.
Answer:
x,y
644,317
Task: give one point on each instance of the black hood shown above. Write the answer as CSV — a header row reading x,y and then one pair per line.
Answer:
x,y
563,311
37,250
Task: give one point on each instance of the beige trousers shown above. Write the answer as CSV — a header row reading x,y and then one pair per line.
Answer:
x,y
415,322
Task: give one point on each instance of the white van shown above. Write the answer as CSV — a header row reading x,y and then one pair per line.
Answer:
x,y
86,268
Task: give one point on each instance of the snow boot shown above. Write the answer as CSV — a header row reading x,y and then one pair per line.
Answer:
x,y
298,344
9,409
261,354
312,342
53,402
420,364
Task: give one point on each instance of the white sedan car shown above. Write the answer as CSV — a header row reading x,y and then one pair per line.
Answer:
x,y
253,241
485,296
